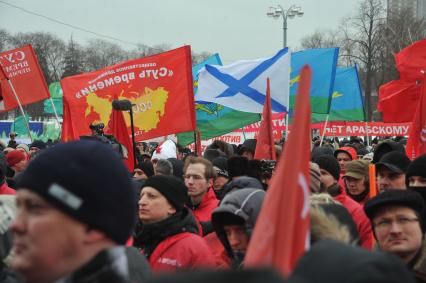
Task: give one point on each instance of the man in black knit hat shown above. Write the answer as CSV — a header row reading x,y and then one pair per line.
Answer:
x,y
76,206
416,172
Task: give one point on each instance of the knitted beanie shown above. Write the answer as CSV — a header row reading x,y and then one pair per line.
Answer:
x,y
315,174
38,144
328,163
173,189
14,157
417,167
146,167
88,181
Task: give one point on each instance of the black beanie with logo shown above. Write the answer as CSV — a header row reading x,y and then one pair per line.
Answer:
x,y
87,181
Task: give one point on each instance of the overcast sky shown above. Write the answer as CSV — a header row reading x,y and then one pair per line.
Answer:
x,y
236,29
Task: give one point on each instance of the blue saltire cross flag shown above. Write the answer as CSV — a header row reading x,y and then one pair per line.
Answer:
x,y
242,85
214,119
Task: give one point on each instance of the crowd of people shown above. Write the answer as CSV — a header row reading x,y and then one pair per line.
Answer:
x,y
72,212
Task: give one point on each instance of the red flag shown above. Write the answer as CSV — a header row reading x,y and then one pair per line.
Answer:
x,y
118,128
411,61
67,125
21,67
198,145
281,234
416,143
3,75
160,87
394,94
265,147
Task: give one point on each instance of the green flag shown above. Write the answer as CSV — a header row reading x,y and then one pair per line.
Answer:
x,y
217,121
19,126
56,94
52,131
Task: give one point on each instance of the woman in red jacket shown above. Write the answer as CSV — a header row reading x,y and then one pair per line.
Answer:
x,y
167,233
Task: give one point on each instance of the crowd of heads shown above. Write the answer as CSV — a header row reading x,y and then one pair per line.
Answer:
x,y
77,204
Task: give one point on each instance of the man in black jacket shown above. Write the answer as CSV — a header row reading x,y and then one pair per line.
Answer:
x,y
76,205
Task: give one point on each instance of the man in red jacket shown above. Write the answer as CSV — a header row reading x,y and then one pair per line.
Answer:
x,y
199,176
330,172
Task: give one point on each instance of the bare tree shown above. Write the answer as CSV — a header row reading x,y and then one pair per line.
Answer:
x,y
100,54
363,41
321,39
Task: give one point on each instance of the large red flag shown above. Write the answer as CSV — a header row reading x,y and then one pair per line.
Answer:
x,y
159,86
411,61
416,143
281,234
118,128
265,147
393,95
21,67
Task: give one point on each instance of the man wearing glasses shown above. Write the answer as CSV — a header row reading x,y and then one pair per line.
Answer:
x,y
398,226
199,175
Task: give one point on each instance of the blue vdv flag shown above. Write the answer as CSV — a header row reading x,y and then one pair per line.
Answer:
x,y
323,62
347,103
242,85
212,60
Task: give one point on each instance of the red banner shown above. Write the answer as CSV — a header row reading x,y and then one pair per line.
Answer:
x,y
363,129
22,69
339,128
159,87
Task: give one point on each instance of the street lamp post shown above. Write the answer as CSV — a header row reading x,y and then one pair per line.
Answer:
x,y
290,13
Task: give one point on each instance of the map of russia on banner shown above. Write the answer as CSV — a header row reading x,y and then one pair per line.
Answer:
x,y
159,86
213,119
346,103
323,62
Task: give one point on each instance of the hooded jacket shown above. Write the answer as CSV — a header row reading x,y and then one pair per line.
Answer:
x,y
243,204
332,222
173,243
240,183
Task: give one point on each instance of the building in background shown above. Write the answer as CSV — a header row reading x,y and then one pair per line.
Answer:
x,y
416,7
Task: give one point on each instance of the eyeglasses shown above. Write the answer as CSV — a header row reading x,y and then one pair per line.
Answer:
x,y
193,176
386,224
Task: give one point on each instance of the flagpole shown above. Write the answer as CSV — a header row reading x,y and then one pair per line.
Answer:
x,y
286,126
54,111
244,134
325,127
195,141
20,107
366,133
